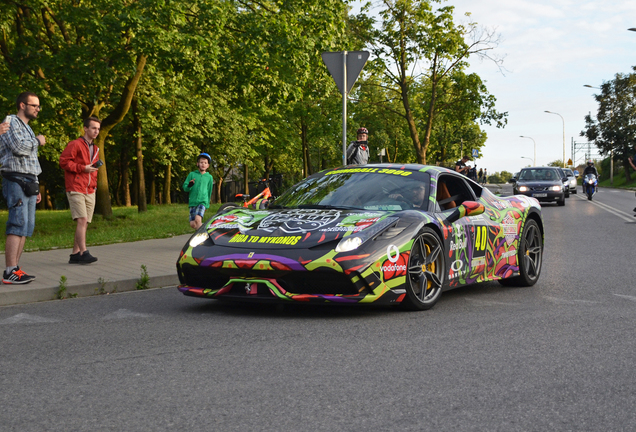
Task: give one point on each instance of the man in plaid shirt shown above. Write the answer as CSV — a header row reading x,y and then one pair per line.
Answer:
x,y
20,165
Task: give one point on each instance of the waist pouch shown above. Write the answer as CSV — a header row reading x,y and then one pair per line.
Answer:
x,y
29,187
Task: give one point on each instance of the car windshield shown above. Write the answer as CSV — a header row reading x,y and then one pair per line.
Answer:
x,y
359,188
569,172
538,174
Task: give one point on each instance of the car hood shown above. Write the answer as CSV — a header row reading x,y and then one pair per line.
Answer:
x,y
296,228
535,183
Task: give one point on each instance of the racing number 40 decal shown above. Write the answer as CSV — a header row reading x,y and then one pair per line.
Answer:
x,y
481,238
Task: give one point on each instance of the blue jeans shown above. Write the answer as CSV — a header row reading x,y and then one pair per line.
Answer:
x,y
21,220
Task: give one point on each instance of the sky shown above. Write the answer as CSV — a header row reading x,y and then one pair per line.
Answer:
x,y
551,49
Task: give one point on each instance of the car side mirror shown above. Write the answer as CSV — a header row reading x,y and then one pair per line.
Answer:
x,y
467,208
512,180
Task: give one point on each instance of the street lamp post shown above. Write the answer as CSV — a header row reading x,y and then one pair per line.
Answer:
x,y
612,147
563,120
534,162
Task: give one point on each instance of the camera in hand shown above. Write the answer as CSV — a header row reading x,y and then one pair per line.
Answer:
x,y
191,183
98,164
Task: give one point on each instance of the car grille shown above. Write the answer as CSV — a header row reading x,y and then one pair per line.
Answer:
x,y
315,282
539,188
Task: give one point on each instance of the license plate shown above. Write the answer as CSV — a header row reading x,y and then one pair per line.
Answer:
x,y
540,195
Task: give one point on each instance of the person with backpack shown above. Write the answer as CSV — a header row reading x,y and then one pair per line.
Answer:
x,y
358,151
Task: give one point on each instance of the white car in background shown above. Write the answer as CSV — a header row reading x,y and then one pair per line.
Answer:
x,y
571,179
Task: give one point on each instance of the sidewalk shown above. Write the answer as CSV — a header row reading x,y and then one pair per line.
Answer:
x,y
118,269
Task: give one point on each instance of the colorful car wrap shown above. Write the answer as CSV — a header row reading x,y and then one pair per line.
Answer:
x,y
297,254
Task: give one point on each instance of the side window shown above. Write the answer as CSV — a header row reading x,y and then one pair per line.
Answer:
x,y
452,191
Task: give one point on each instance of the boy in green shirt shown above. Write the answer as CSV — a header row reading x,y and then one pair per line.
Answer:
x,y
199,186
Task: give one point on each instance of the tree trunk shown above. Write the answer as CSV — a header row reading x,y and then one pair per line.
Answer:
x,y
153,190
305,145
166,184
134,190
118,189
102,198
141,181
125,179
246,179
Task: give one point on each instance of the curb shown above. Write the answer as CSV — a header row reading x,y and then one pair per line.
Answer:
x,y
22,295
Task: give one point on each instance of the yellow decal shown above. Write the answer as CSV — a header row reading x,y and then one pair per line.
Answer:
x,y
244,238
371,170
482,238
352,170
395,172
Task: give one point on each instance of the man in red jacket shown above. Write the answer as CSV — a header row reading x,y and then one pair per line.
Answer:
x,y
80,162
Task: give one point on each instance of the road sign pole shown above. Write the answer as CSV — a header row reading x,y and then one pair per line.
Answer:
x,y
344,109
345,76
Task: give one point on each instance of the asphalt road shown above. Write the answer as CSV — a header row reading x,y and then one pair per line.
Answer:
x,y
556,356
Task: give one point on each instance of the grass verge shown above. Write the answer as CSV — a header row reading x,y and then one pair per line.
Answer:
x,y
54,229
619,181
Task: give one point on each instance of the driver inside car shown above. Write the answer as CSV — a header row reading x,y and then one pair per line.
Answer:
x,y
414,195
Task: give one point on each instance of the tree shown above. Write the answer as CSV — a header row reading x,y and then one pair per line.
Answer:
x,y
86,58
422,51
614,129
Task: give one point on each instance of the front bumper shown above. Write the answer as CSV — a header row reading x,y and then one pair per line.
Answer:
x,y
544,195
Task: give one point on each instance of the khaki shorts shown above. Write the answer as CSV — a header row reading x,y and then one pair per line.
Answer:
x,y
82,205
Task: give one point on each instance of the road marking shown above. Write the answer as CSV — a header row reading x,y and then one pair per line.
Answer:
x,y
568,301
632,298
621,214
125,313
23,318
488,302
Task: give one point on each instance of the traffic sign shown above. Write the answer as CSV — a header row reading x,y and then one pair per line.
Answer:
x,y
475,153
335,64
345,67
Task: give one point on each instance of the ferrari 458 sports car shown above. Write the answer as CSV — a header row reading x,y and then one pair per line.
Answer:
x,y
380,234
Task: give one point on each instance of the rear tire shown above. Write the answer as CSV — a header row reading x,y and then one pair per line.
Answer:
x,y
425,271
529,257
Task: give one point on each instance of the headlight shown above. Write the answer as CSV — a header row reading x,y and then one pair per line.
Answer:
x,y
590,181
348,244
556,188
198,238
573,182
523,188
355,240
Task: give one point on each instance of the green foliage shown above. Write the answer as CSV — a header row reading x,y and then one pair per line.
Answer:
x,y
240,80
614,128
556,163
142,283
420,58
61,291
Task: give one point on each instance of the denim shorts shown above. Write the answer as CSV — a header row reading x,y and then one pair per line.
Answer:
x,y
198,210
21,220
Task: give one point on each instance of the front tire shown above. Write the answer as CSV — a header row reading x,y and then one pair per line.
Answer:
x,y
529,257
561,202
426,270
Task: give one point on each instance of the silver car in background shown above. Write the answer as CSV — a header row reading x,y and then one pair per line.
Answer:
x,y
571,179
